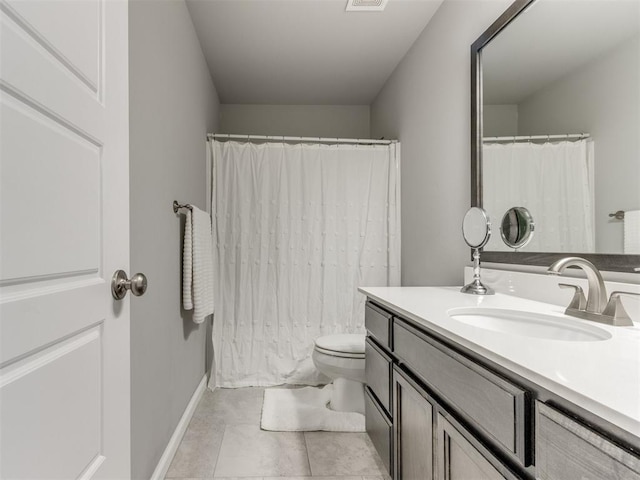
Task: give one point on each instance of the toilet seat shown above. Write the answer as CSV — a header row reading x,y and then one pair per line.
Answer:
x,y
342,345
333,353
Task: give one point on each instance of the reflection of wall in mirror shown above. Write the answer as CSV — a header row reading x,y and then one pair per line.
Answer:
x,y
500,120
601,98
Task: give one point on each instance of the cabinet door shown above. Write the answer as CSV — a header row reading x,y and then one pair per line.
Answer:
x,y
413,430
567,450
459,459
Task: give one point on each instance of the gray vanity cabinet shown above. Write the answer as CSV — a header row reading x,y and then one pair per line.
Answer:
x,y
413,433
411,430
378,399
425,430
492,404
379,428
459,458
568,450
430,444
378,374
437,411
378,325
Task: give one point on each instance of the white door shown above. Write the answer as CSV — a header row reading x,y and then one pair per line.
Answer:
x,y
64,230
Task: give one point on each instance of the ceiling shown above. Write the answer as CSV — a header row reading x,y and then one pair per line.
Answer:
x,y
550,40
305,52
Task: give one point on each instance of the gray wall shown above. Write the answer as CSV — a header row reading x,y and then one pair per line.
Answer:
x,y
346,121
173,104
603,99
499,120
426,104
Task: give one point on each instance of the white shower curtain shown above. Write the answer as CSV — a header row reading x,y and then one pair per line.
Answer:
x,y
554,181
297,228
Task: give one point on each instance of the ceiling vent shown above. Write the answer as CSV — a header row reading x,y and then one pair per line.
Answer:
x,y
366,5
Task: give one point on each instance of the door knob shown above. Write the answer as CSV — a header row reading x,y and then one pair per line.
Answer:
x,y
120,284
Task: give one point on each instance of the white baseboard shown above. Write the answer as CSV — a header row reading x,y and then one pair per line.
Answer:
x,y
165,461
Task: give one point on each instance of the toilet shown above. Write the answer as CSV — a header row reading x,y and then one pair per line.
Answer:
x,y
341,358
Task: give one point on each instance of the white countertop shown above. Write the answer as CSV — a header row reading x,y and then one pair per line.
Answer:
x,y
602,377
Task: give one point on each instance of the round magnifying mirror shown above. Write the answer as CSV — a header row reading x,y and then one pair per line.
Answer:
x,y
517,227
476,227
476,230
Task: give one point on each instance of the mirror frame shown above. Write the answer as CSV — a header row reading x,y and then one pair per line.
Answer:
x,y
605,262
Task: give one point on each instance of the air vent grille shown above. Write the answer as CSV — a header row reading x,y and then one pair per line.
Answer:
x,y
366,5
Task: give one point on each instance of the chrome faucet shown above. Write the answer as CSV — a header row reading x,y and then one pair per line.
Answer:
x,y
595,307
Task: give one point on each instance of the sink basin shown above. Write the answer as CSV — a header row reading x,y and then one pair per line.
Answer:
x,y
529,324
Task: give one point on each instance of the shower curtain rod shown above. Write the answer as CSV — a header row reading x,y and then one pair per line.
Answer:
x,y
523,138
278,138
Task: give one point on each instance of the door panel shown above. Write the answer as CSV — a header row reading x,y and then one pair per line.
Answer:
x,y
22,334
64,342
54,228
26,61
74,38
68,377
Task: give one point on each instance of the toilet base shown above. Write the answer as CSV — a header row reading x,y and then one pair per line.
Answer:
x,y
347,396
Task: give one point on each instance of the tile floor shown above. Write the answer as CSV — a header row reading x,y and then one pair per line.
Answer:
x,y
224,441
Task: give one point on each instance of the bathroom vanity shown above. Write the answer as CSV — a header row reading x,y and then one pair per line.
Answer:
x,y
503,386
446,399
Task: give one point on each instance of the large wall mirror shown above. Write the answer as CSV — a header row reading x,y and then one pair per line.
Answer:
x,y
556,129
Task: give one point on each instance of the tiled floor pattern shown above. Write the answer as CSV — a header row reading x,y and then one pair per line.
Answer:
x,y
224,441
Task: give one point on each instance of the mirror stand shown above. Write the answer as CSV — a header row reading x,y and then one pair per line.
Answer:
x,y
476,287
476,230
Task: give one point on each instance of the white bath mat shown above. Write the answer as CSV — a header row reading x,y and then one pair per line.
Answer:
x,y
304,410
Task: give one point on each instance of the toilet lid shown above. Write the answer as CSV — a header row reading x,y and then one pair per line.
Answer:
x,y
345,343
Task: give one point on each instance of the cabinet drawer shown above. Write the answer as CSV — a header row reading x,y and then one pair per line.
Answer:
x,y
378,374
378,428
567,450
496,406
378,323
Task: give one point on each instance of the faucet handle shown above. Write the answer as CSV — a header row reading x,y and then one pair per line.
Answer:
x,y
616,311
578,302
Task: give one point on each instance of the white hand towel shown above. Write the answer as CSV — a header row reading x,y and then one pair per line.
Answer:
x,y
187,264
197,281
632,232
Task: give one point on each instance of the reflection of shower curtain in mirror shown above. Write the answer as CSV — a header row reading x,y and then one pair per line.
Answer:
x,y
554,181
297,228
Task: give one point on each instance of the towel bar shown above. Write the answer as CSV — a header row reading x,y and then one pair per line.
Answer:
x,y
177,206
